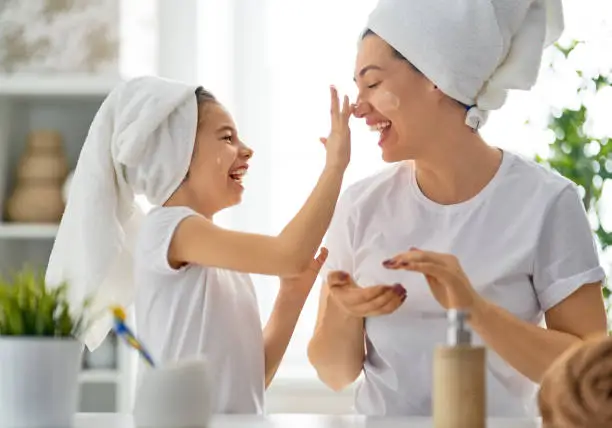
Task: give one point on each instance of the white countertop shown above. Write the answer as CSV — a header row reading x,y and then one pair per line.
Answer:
x,y
108,420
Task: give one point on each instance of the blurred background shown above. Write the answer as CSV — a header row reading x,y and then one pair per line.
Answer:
x,y
270,62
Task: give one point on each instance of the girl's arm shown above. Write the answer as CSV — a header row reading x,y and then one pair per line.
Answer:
x,y
198,241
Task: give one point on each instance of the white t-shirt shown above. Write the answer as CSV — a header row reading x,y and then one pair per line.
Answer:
x,y
199,311
524,242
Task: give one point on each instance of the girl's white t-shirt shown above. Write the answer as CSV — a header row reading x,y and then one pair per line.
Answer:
x,y
198,311
524,242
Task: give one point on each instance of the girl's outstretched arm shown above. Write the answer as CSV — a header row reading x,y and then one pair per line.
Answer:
x,y
199,241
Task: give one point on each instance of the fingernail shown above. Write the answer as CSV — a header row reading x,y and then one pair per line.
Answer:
x,y
343,276
403,298
414,249
388,263
404,264
399,289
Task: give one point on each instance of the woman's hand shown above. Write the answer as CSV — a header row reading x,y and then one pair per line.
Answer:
x,y
447,281
301,284
364,302
338,143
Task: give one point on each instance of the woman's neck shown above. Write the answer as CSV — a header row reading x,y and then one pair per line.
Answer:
x,y
458,169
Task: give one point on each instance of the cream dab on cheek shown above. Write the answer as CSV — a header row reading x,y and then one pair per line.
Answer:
x,y
385,102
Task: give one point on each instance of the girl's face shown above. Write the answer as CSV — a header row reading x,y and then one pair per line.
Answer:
x,y
394,99
220,160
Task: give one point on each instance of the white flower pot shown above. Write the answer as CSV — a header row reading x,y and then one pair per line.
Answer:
x,y
176,395
39,381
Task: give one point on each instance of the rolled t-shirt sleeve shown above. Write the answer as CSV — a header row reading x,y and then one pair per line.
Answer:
x,y
339,238
156,235
566,256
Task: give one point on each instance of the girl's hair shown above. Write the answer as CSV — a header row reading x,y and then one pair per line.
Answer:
x,y
204,98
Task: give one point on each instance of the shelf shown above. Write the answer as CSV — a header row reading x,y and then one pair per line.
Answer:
x,y
99,376
27,231
30,85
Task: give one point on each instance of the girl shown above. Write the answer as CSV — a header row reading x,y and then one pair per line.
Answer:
x,y
178,146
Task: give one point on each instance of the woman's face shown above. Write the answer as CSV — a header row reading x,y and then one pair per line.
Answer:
x,y
394,99
219,161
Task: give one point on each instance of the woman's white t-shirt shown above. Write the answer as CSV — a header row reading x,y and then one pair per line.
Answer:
x,y
198,311
524,242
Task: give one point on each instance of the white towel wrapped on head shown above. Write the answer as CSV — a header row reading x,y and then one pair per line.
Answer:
x,y
473,50
140,142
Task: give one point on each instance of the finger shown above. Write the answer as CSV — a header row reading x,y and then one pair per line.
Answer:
x,y
335,107
346,110
388,308
389,298
322,257
323,140
441,273
352,294
401,261
338,279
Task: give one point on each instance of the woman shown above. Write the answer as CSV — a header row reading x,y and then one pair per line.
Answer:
x,y
459,223
178,146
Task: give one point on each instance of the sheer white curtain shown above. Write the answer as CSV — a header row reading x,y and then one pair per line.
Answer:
x,y
271,63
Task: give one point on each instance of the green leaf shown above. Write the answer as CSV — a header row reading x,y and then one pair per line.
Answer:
x,y
568,157
28,307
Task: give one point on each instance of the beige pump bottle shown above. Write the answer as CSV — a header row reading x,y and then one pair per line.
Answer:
x,y
459,382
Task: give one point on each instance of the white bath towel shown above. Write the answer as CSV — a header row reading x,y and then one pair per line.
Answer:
x,y
473,50
140,142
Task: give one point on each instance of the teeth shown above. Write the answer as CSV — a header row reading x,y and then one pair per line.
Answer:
x,y
380,126
238,174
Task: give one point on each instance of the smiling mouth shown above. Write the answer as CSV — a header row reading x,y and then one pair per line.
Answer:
x,y
238,174
382,128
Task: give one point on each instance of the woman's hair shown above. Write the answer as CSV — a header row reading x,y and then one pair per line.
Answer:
x,y
399,56
396,53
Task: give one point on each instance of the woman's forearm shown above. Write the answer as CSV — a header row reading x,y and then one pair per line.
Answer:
x,y
279,329
528,348
303,235
337,348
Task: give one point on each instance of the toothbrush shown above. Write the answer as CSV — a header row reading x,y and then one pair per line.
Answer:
x,y
123,331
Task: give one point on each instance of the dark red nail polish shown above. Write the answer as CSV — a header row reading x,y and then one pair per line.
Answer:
x,y
404,264
343,276
403,298
399,289
388,263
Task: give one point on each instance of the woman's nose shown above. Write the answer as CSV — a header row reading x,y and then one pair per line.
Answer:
x,y
361,108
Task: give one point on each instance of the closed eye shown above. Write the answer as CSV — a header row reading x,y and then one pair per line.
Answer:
x,y
374,85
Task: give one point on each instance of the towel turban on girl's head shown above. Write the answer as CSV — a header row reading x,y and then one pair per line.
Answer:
x,y
473,50
140,142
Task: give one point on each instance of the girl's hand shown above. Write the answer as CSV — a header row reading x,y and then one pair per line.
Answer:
x,y
301,284
338,143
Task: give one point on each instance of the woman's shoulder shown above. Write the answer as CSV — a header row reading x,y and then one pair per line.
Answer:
x,y
536,177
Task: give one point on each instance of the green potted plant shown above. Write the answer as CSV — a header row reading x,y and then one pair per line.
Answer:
x,y
40,357
584,158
